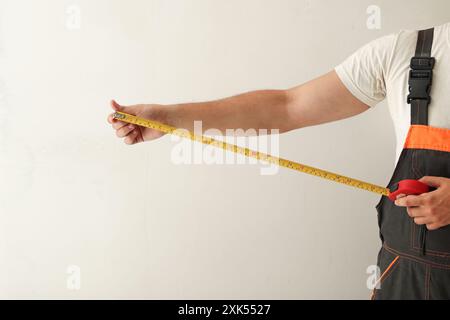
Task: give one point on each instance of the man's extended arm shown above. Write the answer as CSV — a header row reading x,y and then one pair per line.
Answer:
x,y
322,100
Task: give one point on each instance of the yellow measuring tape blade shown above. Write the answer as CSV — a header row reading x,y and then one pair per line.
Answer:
x,y
251,153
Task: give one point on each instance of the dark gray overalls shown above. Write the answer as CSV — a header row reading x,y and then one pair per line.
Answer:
x,y
415,262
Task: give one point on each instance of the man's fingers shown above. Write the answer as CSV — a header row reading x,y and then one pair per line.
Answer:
x,y
432,181
132,137
401,196
433,226
422,220
116,107
129,132
119,124
409,201
111,119
125,130
116,124
415,212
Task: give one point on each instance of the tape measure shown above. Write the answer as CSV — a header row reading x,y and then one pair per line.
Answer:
x,y
405,187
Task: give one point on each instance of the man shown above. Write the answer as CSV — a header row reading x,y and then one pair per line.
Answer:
x,y
415,230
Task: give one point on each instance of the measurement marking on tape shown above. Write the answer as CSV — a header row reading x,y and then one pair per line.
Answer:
x,y
128,118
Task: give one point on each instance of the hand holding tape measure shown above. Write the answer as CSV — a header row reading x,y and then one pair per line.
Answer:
x,y
405,187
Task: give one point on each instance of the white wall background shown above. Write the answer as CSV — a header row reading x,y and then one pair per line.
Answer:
x,y
136,224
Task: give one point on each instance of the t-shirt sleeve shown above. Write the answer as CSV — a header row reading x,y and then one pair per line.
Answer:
x,y
364,73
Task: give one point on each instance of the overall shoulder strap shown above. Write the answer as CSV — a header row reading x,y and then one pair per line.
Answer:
x,y
420,78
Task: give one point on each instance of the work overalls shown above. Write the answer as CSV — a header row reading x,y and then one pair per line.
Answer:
x,y
415,262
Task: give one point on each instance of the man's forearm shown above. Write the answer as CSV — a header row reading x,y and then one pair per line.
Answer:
x,y
266,109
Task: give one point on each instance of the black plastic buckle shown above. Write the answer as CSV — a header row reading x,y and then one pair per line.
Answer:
x,y
418,63
420,79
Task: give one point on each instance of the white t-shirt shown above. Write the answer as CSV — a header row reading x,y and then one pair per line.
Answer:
x,y
380,70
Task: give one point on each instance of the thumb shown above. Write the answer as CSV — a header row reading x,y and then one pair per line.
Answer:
x,y
134,110
115,106
432,181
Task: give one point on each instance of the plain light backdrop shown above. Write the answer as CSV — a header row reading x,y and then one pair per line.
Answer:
x,y
139,226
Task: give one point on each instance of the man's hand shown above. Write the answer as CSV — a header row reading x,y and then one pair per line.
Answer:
x,y
133,134
432,208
